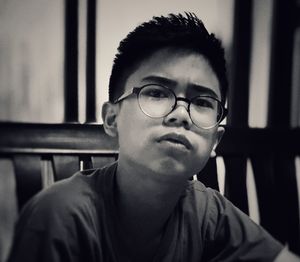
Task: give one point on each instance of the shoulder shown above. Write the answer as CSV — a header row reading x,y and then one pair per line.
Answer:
x,y
210,200
66,192
70,198
82,185
200,205
63,220
202,197
227,231
218,208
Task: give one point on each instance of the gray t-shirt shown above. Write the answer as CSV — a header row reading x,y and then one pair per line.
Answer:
x,y
75,220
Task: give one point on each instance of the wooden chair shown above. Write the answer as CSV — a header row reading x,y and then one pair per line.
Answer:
x,y
44,153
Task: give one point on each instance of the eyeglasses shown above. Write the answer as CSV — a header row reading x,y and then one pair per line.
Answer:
x,y
157,101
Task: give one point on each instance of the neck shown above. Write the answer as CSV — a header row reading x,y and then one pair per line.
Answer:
x,y
144,203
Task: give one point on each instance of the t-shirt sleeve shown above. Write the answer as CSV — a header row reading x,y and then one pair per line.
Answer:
x,y
232,236
51,229
40,235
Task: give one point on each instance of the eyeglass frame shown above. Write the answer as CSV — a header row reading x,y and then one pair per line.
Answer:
x,y
137,90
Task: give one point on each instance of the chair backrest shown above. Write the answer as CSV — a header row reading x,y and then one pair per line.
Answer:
x,y
44,153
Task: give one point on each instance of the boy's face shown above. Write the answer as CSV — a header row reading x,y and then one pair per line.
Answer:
x,y
171,145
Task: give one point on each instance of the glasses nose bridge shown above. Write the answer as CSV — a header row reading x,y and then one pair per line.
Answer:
x,y
183,99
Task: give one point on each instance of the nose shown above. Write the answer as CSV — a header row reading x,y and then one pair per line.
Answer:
x,y
179,116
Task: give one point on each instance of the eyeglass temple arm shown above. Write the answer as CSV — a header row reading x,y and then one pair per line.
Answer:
x,y
223,117
128,93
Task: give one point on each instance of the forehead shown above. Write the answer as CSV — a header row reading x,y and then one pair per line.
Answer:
x,y
178,69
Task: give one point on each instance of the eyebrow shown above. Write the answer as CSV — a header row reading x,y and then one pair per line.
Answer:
x,y
161,80
204,89
172,83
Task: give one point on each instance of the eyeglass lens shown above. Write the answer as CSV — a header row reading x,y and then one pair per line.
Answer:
x,y
158,101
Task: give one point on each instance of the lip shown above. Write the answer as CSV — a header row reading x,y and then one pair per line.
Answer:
x,y
176,138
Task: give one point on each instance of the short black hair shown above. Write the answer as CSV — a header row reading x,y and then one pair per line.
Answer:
x,y
183,31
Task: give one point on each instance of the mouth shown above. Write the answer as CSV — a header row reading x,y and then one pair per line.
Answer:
x,y
176,139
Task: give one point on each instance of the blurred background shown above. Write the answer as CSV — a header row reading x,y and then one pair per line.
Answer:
x,y
55,62
32,48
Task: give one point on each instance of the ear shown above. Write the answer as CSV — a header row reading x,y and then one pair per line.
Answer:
x,y
219,135
109,117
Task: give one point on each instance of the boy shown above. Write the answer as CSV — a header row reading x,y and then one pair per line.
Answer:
x,y
167,93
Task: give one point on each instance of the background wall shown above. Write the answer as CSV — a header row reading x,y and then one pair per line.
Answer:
x,y
32,49
31,60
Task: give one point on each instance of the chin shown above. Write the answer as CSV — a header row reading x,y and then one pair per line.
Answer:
x,y
173,167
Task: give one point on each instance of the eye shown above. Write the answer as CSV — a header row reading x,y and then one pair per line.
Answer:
x,y
204,102
155,92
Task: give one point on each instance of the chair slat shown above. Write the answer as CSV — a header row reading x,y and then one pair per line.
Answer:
x,y
208,176
263,169
47,172
8,205
85,162
65,166
100,161
235,183
28,177
287,201
275,178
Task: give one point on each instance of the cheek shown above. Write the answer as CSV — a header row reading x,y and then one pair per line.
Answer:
x,y
132,126
205,144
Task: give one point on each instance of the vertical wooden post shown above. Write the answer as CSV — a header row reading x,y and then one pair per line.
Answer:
x,y
283,29
238,98
91,62
238,103
71,61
